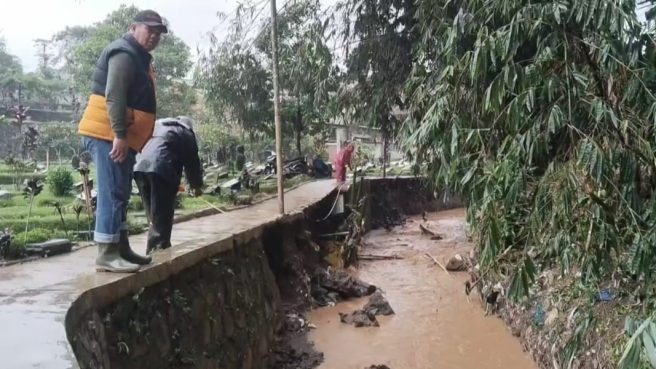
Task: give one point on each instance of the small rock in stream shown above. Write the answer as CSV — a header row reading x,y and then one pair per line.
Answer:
x,y
359,318
378,305
456,264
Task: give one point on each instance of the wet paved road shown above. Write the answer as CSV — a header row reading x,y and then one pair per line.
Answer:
x,y
35,296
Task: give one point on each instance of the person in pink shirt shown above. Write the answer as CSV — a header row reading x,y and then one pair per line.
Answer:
x,y
343,159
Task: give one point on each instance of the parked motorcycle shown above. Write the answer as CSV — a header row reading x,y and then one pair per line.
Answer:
x,y
291,167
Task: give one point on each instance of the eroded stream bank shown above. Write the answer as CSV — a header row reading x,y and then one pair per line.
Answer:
x,y
435,324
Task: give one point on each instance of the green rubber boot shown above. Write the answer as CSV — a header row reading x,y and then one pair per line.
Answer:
x,y
126,252
109,260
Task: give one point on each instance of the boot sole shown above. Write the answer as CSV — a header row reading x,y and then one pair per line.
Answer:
x,y
113,270
133,261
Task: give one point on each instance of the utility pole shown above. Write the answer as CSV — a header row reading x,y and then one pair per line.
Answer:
x,y
276,108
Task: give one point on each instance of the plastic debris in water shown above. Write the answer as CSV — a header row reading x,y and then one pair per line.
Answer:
x,y
606,295
539,316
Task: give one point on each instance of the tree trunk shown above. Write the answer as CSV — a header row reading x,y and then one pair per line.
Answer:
x,y
252,146
384,153
298,143
29,214
299,129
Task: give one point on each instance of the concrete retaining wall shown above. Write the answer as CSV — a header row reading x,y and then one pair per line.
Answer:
x,y
392,197
219,313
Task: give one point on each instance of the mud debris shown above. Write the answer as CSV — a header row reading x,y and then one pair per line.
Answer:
x,y
378,367
293,349
366,317
331,286
287,357
294,322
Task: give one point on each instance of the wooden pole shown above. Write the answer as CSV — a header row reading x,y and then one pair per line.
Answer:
x,y
276,108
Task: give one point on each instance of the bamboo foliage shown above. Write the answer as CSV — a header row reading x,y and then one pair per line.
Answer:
x,y
541,114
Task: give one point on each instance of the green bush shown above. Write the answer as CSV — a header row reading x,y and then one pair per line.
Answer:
x,y
50,221
137,227
60,181
136,204
179,201
14,251
7,203
46,202
7,178
33,236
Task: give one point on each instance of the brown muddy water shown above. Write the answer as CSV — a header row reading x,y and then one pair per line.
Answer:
x,y
435,326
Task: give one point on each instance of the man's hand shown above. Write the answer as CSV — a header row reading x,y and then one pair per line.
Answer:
x,y
119,150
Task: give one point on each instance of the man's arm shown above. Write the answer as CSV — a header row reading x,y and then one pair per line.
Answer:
x,y
120,75
192,167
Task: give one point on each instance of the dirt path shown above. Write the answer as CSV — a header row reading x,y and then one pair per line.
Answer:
x,y
435,326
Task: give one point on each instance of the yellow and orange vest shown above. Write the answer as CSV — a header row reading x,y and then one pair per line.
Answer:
x,y
141,101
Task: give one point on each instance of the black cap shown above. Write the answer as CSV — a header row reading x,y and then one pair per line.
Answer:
x,y
150,18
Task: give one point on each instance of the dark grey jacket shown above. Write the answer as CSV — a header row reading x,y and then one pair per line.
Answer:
x,y
172,147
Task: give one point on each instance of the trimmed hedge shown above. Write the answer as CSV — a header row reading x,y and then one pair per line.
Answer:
x,y
7,178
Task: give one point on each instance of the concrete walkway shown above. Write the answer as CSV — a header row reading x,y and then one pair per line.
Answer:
x,y
35,296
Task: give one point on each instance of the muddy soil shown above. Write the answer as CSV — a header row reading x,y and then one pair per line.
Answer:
x,y
435,324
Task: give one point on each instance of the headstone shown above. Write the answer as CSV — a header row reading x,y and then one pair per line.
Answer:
x,y
49,248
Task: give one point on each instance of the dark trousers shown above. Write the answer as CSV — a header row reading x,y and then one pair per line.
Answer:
x,y
158,196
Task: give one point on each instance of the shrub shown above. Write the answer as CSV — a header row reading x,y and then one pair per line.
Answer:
x,y
14,251
33,236
46,202
179,201
7,203
9,178
136,203
60,181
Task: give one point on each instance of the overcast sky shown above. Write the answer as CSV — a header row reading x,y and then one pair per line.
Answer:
x,y
26,20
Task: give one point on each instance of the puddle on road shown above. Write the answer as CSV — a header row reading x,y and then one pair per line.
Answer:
x,y
435,326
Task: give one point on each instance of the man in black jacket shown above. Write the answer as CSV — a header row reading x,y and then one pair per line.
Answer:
x,y
158,173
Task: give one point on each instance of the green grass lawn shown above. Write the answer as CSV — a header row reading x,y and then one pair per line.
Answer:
x,y
46,223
